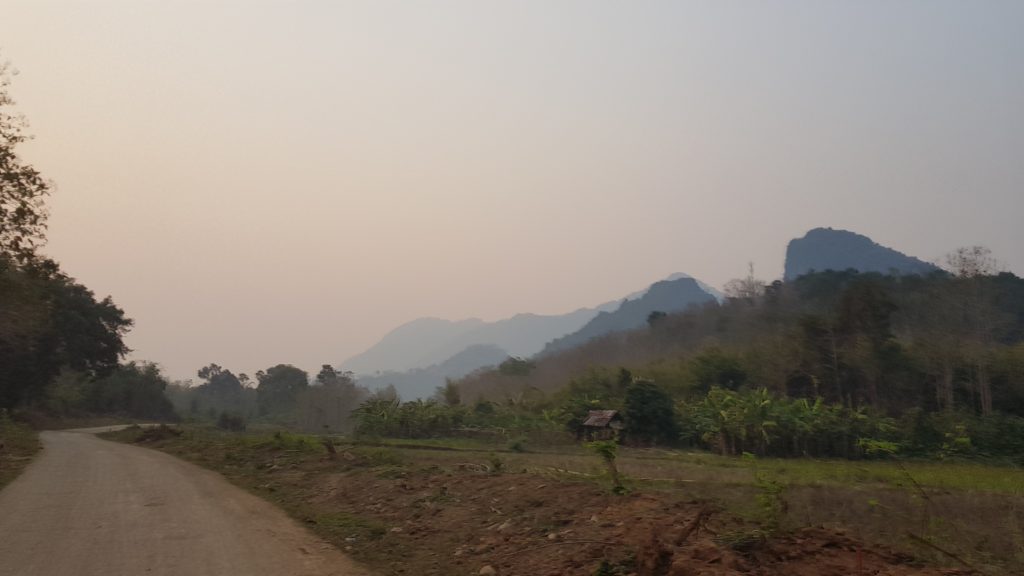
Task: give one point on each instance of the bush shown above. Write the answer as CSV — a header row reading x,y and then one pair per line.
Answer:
x,y
518,445
232,422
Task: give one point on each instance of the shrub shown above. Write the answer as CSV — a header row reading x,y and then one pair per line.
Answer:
x,y
232,422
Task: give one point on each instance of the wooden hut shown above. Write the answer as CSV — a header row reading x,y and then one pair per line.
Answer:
x,y
602,425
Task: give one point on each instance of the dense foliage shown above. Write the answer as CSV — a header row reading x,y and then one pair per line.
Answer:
x,y
278,388
136,390
51,323
282,395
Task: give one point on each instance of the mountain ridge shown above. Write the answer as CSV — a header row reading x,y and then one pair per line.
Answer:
x,y
429,341
674,295
422,382
823,249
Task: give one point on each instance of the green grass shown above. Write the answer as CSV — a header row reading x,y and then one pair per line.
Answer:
x,y
20,444
442,444
949,475
674,465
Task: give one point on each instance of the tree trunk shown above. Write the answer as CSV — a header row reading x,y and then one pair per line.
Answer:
x,y
835,364
944,389
984,390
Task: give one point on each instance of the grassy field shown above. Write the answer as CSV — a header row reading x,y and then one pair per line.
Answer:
x,y
18,444
964,476
957,514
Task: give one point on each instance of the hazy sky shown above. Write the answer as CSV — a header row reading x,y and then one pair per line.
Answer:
x,y
266,182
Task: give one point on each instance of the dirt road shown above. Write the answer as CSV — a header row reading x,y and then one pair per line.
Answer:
x,y
90,507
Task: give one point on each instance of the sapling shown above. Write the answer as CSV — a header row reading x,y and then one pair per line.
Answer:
x,y
608,450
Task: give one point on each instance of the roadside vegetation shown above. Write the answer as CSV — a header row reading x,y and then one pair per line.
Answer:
x,y
18,444
449,508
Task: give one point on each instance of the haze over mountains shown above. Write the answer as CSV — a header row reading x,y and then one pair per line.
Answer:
x,y
421,382
427,341
419,355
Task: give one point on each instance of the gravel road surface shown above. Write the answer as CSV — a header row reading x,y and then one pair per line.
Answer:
x,y
89,507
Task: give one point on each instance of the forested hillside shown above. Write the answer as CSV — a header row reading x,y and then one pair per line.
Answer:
x,y
838,363
661,298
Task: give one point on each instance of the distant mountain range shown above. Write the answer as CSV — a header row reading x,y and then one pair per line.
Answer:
x,y
667,296
421,382
431,341
827,249
418,356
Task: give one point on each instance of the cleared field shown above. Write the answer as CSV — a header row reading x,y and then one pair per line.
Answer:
x,y
438,507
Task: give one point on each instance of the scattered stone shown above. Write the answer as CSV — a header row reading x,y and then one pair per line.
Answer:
x,y
488,571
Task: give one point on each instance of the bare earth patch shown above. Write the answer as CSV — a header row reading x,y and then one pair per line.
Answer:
x,y
435,513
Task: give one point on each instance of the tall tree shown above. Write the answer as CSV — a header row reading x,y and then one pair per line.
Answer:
x,y
328,404
58,324
48,322
650,414
278,388
221,390
864,321
973,296
22,187
748,289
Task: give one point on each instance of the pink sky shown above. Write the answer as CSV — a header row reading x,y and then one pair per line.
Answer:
x,y
266,182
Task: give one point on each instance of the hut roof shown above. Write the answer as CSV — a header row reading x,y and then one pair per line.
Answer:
x,y
600,418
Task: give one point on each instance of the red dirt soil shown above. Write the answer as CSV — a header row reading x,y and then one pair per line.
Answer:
x,y
459,522
424,514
